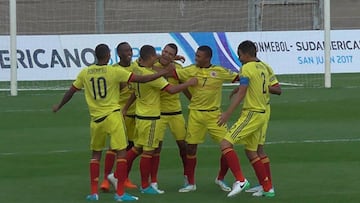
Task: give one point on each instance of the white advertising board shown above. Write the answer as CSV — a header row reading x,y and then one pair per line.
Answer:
x,y
60,57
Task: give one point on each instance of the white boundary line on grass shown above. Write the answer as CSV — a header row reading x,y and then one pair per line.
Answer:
x,y
203,146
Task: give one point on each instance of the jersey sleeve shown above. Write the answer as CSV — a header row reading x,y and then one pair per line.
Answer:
x,y
227,74
124,75
183,74
79,81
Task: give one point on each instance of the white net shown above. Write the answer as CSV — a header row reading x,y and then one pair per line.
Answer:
x,y
68,17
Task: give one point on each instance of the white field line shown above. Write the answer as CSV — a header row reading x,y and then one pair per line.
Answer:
x,y
201,146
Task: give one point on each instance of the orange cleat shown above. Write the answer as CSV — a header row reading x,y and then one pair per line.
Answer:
x,y
105,185
129,184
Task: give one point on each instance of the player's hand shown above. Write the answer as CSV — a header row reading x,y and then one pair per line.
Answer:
x,y
223,118
192,81
180,58
55,108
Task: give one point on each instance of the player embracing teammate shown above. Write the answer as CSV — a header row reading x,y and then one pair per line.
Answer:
x,y
204,80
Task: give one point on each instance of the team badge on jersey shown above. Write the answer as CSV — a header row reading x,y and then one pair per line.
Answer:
x,y
213,74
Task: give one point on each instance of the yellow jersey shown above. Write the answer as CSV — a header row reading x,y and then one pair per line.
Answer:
x,y
207,94
148,94
257,94
102,88
126,92
170,102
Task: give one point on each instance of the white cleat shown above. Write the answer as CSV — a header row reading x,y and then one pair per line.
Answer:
x,y
238,187
223,186
254,189
188,188
156,187
261,193
113,180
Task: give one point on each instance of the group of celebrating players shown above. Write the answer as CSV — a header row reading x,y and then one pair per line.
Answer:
x,y
134,102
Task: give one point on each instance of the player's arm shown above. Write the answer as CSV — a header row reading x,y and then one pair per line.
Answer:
x,y
187,93
123,85
173,89
148,78
234,91
130,101
238,97
66,98
179,58
171,70
275,89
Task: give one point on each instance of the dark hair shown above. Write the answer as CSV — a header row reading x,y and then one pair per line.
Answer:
x,y
102,51
119,45
173,46
248,47
147,51
206,49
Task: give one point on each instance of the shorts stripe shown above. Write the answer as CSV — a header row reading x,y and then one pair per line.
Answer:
x,y
242,125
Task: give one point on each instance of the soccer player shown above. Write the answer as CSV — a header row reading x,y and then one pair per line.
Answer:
x,y
254,91
274,88
125,54
171,114
204,108
101,85
148,114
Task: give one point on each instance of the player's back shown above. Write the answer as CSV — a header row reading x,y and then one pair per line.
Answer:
x,y
148,94
102,89
257,93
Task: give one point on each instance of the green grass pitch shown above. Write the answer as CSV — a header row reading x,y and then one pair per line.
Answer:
x,y
313,144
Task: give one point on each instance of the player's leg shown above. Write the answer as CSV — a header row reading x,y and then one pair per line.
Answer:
x,y
148,138
109,164
97,143
229,154
252,135
178,130
217,133
118,142
238,132
195,135
161,126
132,152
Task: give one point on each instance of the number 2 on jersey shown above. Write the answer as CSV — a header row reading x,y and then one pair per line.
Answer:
x,y
264,82
99,87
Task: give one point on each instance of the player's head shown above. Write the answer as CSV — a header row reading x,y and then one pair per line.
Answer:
x,y
246,51
102,53
124,52
168,53
148,55
203,56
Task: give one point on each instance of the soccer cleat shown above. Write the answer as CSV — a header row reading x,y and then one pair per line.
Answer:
x,y
260,193
254,189
223,185
188,188
129,184
113,180
270,193
92,197
125,197
238,187
156,187
151,190
105,185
